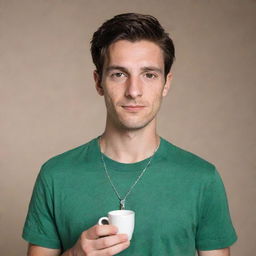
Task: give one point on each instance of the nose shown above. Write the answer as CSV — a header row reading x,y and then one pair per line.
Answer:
x,y
133,88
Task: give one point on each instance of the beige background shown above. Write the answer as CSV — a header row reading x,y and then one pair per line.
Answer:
x,y
49,104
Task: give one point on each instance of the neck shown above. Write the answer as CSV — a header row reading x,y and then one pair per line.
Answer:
x,y
129,146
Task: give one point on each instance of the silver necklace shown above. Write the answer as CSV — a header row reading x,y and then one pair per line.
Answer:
x,y
122,200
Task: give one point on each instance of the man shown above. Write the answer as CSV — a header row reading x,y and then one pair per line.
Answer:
x,y
178,198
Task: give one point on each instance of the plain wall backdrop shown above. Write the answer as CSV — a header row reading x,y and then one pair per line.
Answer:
x,y
49,104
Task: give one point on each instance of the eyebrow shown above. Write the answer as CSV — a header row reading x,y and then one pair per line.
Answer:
x,y
152,68
110,68
144,69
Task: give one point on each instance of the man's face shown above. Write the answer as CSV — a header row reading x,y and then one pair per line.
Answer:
x,y
133,83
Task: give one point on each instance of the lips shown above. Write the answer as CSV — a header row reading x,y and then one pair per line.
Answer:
x,y
133,108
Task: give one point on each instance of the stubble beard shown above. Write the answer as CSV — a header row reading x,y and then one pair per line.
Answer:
x,y
128,124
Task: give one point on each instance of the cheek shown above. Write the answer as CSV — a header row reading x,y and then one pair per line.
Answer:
x,y
157,100
111,99
157,96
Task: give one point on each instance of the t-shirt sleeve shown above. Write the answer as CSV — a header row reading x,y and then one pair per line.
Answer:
x,y
40,226
215,229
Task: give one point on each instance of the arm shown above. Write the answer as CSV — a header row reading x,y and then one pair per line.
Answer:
x,y
215,232
220,252
102,239
35,250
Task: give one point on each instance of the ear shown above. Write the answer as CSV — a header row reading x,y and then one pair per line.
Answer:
x,y
167,84
98,85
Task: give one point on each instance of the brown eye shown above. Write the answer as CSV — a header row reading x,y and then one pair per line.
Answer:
x,y
118,75
150,75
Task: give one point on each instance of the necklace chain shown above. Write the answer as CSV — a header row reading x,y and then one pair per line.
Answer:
x,y
122,201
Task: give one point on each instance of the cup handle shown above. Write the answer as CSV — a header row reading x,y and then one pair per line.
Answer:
x,y
103,221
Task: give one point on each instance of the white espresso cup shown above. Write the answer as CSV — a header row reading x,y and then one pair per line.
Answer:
x,y
124,220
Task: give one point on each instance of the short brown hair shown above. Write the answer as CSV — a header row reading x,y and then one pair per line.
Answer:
x,y
132,27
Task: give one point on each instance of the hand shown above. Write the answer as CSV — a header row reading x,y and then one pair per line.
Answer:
x,y
100,240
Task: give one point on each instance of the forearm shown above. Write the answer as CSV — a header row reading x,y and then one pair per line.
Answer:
x,y
67,253
220,252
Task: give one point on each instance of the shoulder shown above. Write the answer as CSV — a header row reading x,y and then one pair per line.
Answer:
x,y
187,162
71,159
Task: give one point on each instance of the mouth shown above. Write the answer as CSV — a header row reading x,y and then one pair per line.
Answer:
x,y
133,108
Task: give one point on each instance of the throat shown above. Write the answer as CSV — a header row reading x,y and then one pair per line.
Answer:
x,y
127,152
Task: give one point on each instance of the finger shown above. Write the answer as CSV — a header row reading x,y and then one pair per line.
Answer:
x,y
114,249
101,230
109,241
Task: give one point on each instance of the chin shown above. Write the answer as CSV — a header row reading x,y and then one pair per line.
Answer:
x,y
132,126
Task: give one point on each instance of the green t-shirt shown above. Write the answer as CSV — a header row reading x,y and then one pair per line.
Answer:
x,y
180,202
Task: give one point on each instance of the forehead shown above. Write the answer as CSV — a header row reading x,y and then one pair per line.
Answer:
x,y
132,54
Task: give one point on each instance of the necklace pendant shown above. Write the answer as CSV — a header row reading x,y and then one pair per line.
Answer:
x,y
122,204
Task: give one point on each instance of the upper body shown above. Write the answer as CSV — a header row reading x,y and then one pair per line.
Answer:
x,y
133,57
179,203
